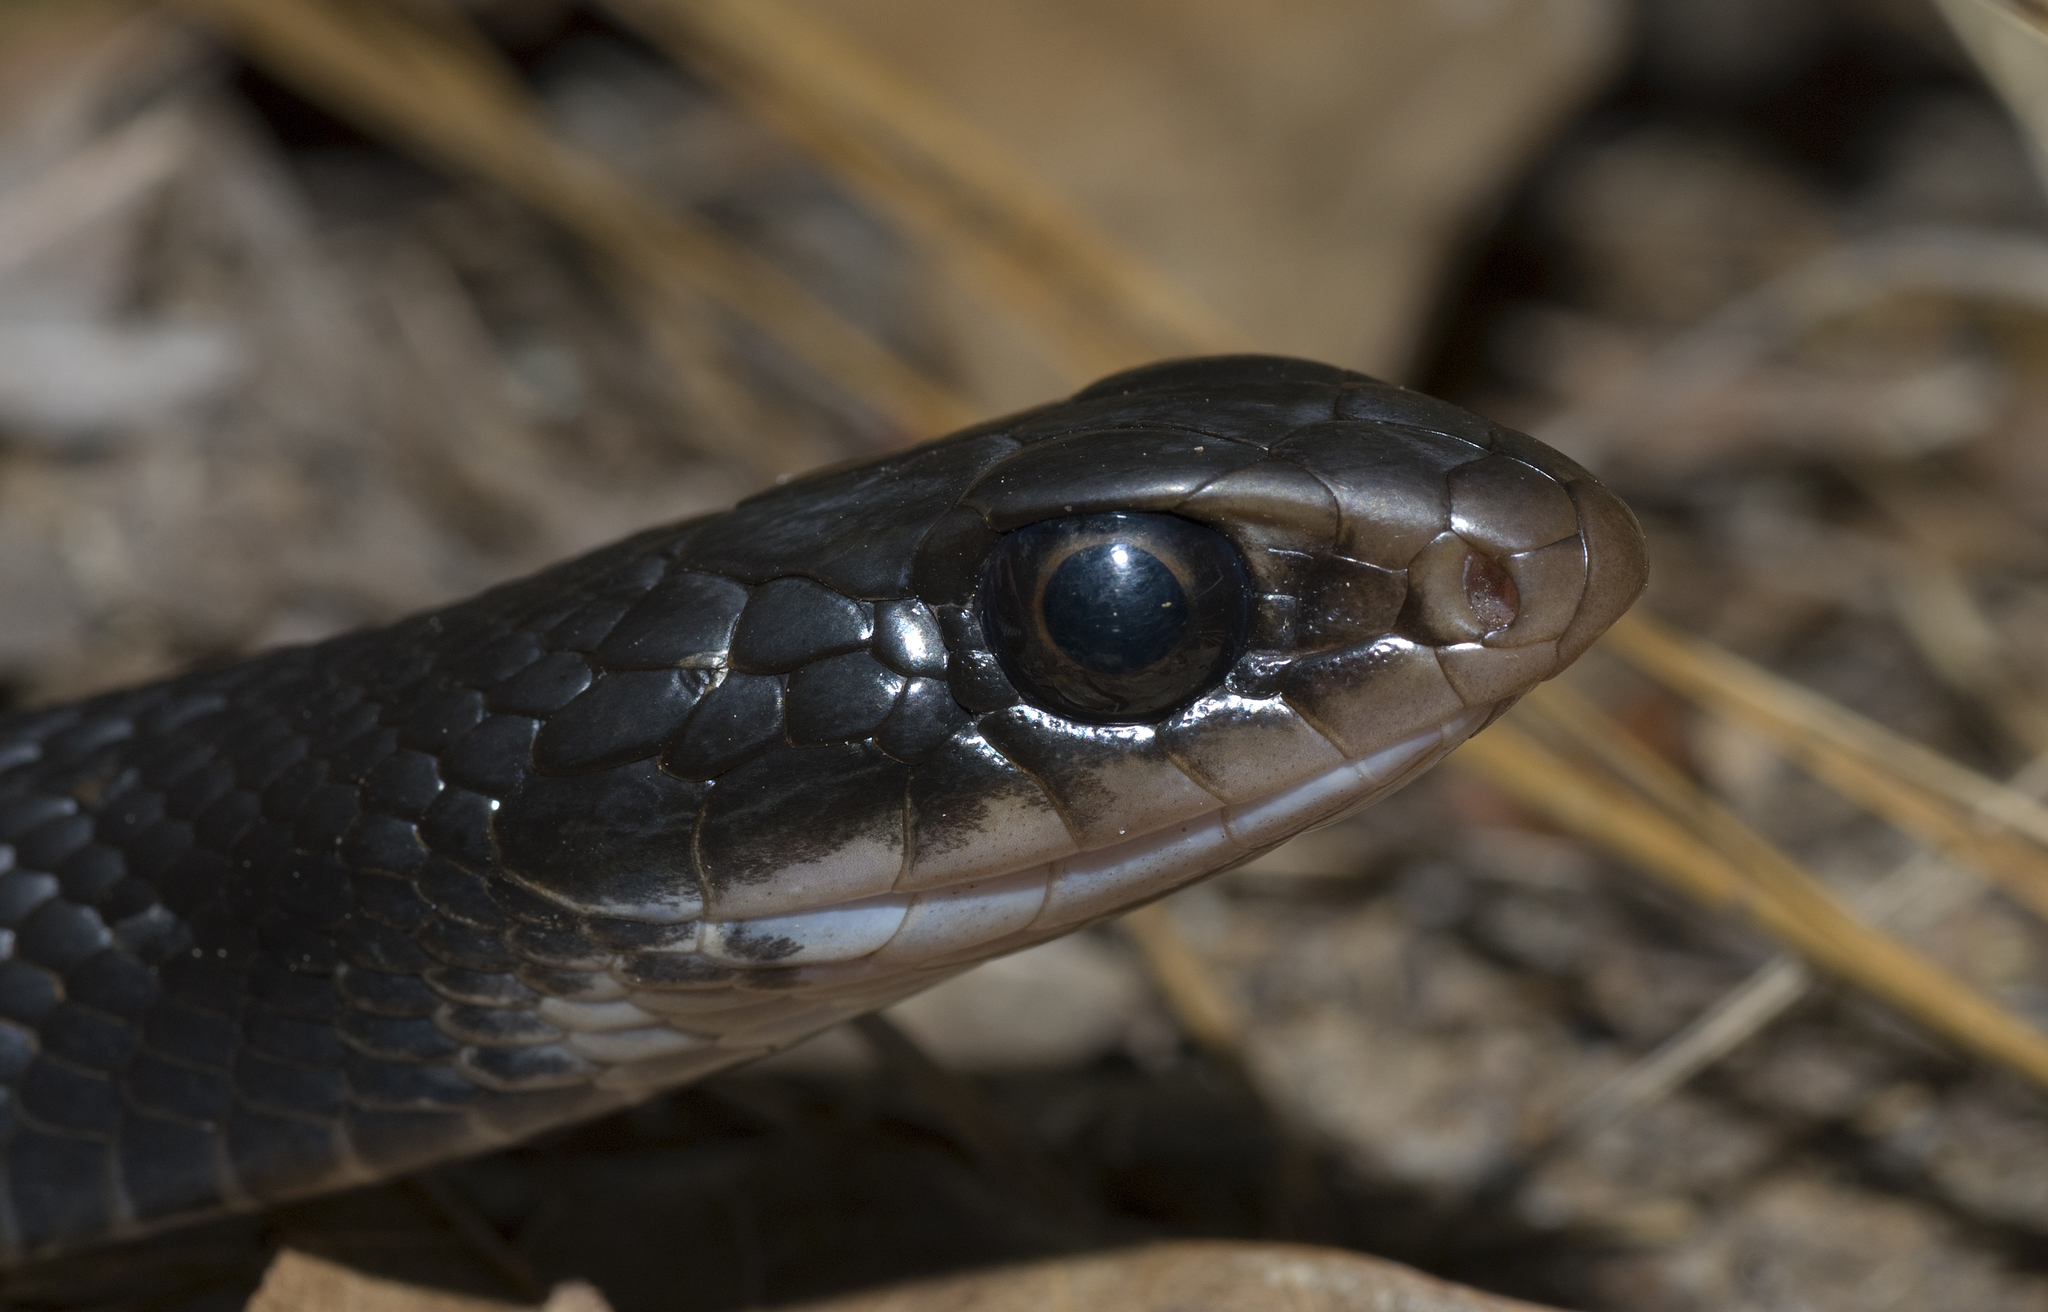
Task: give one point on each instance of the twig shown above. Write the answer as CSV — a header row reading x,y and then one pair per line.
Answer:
x,y
1713,1034
479,1234
1739,1015
442,96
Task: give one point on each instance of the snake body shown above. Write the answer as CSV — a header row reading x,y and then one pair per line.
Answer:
x,y
348,909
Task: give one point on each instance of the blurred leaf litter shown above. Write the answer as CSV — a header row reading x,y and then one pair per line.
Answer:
x,y
439,89
437,330
2009,41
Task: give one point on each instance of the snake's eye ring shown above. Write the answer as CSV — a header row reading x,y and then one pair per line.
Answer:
x,y
1117,617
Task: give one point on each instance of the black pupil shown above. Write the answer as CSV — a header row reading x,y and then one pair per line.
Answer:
x,y
1114,618
1115,608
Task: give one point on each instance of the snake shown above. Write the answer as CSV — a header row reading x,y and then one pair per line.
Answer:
x,y
346,910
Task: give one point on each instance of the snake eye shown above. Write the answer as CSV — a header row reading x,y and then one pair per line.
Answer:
x,y
1116,617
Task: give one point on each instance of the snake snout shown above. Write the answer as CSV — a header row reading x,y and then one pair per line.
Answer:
x,y
1536,564
1510,561
1617,567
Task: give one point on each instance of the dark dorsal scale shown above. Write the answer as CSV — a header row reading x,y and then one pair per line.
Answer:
x,y
1115,618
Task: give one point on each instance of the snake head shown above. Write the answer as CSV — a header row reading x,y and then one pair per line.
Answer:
x,y
891,719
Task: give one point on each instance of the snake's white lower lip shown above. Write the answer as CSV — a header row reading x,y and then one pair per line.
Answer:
x,y
856,956
1102,883
908,930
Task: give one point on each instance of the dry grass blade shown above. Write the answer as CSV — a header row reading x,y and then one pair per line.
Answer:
x,y
1950,527
1916,788
2015,865
1780,898
1205,1012
477,1233
940,177
1957,641
445,96
1592,731
1715,1033
95,182
1914,894
1909,893
2009,41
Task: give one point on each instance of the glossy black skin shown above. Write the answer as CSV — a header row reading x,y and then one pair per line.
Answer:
x,y
1116,618
277,928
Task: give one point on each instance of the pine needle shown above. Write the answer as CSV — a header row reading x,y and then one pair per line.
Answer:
x,y
1768,888
1914,787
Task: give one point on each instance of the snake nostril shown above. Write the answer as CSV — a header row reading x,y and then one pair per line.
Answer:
x,y
1490,593
1458,593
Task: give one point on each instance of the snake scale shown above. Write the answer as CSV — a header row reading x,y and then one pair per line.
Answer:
x,y
345,910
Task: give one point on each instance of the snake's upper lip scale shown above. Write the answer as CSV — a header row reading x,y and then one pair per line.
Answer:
x,y
992,914
870,953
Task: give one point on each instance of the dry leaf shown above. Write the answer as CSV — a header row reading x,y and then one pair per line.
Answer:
x,y
1305,170
1188,1277
300,1282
